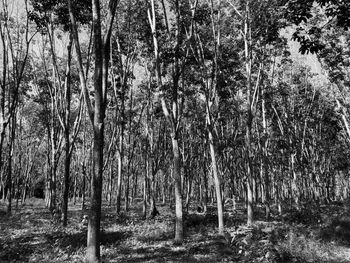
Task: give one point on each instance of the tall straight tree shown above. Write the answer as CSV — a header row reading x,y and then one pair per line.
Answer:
x,y
68,132
209,74
102,39
177,35
171,117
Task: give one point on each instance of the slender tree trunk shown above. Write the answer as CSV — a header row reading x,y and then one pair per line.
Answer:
x,y
67,160
171,119
144,211
93,238
66,182
93,235
188,193
217,184
24,191
153,206
53,183
250,213
205,191
265,168
127,188
250,105
178,196
75,190
97,115
9,171
134,186
294,183
48,178
110,185
120,169
83,187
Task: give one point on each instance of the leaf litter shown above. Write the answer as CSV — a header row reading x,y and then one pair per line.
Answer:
x,y
31,234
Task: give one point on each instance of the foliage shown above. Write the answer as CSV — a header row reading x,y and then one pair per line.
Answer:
x,y
300,12
43,10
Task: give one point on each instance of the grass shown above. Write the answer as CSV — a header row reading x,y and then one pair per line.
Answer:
x,y
304,248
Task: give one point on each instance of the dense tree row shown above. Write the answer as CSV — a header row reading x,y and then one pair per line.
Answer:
x,y
180,102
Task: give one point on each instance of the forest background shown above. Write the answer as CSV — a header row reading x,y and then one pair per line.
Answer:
x,y
174,102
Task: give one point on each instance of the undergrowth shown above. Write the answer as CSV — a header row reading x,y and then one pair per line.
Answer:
x,y
312,234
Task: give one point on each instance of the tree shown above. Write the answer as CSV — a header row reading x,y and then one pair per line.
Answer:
x,y
102,38
14,63
174,62
208,57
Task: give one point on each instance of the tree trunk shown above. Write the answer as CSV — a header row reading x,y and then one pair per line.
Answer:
x,y
188,193
83,187
217,184
265,168
110,185
93,235
127,189
9,169
75,190
120,169
144,211
250,213
173,117
67,159
250,106
66,181
97,115
178,196
205,190
153,207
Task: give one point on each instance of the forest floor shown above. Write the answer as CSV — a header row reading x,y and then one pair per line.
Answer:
x,y
314,234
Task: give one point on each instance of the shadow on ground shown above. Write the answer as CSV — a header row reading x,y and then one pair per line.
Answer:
x,y
337,231
209,251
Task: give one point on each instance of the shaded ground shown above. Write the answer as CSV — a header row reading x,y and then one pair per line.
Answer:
x,y
312,234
